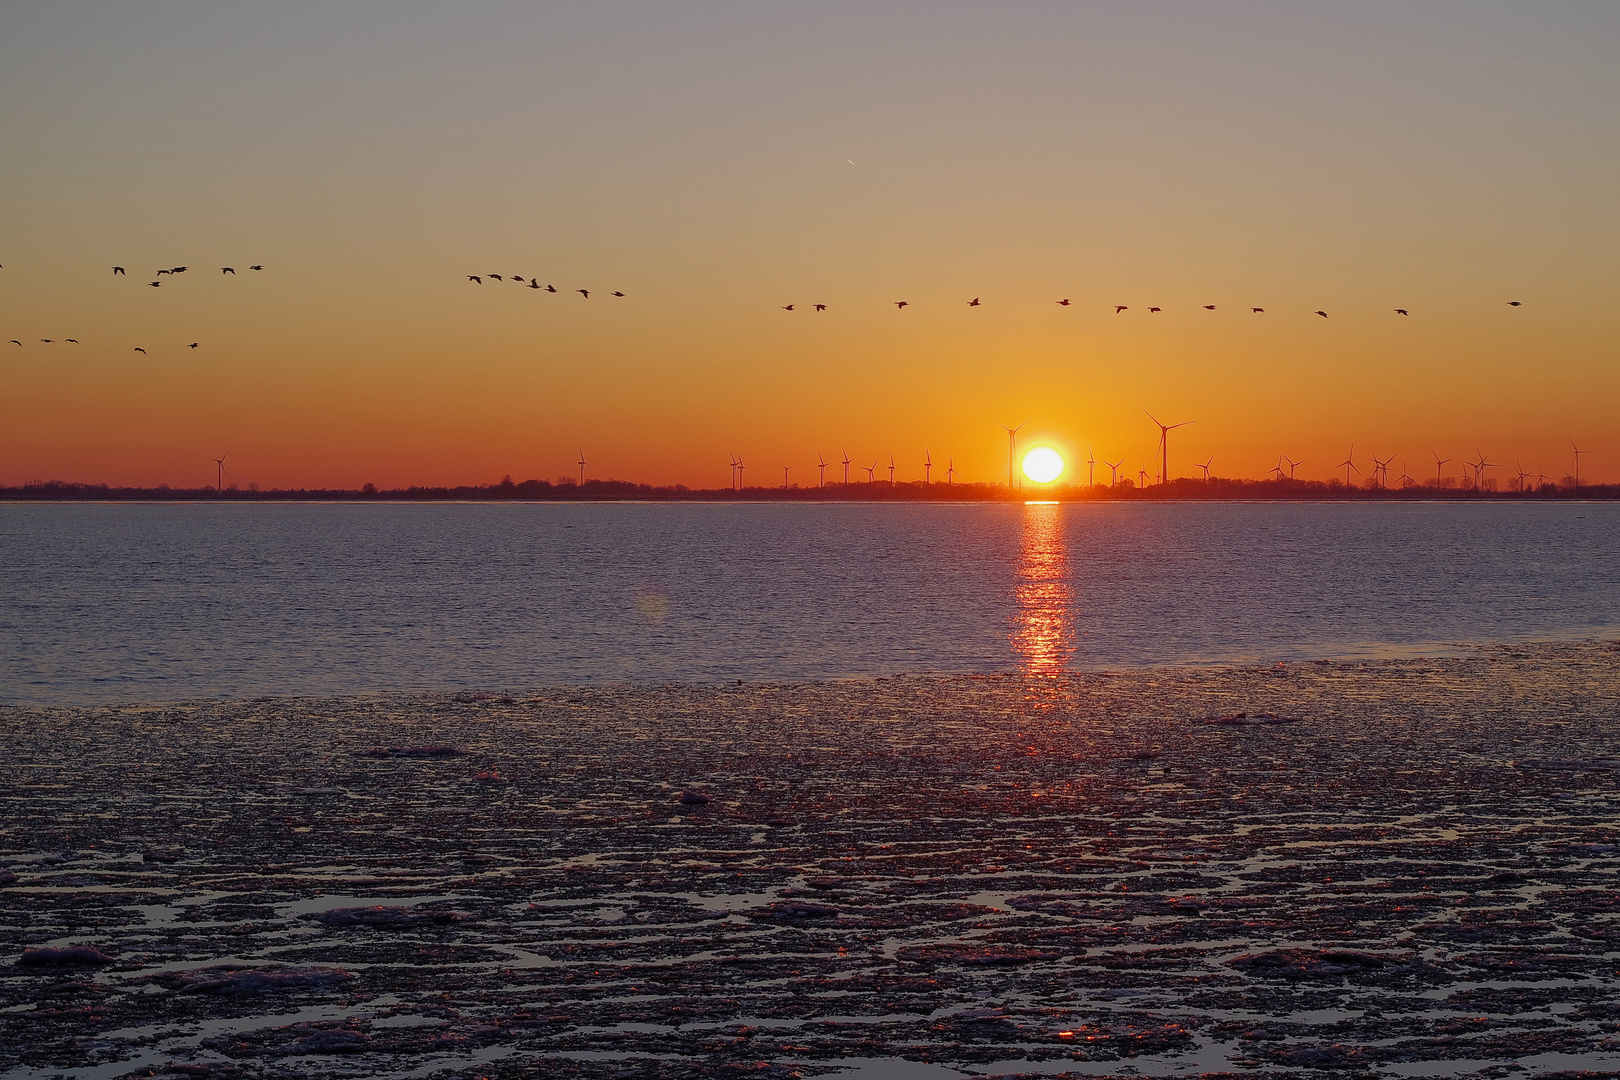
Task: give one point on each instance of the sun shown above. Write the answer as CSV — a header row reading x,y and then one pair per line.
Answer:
x,y
1043,464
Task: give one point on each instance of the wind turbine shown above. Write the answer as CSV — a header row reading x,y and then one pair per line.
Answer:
x,y
1474,465
740,468
891,470
1349,463
1292,465
870,471
1012,449
1205,466
1578,453
1141,478
1164,444
1113,471
583,463
219,475
1439,463
1519,477
1381,470
1483,465
822,465
1091,467
847,460
1277,471
785,469
928,467
733,472
950,470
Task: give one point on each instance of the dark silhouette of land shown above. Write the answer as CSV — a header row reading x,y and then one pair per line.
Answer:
x,y
567,489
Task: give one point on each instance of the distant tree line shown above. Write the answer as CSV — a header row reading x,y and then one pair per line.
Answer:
x,y
567,490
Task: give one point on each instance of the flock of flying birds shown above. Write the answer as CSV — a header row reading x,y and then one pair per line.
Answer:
x,y
119,271
531,283
1118,308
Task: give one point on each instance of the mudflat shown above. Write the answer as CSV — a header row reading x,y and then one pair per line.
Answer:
x,y
1404,868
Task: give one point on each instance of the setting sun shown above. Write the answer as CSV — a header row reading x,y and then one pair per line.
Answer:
x,y
1043,464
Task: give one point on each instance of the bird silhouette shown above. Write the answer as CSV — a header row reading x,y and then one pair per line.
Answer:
x,y
17,343
179,269
1209,307
517,277
119,270
902,304
616,293
1322,313
228,270
154,284
1402,311
533,284
787,307
193,345
255,268
1258,310
160,273
1153,309
71,340
45,340
1121,307
821,307
973,302
1515,303
551,288
475,279
494,277
140,350
586,293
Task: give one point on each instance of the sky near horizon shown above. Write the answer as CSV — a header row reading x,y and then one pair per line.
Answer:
x,y
716,161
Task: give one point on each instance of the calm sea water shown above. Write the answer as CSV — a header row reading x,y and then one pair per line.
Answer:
x,y
102,603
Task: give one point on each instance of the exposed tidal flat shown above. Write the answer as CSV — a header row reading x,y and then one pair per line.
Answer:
x,y
1397,868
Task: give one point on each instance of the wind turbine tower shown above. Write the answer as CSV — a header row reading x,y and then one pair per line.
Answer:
x,y
582,464
1164,445
928,467
1012,449
1439,464
1350,463
891,470
847,460
950,471
1091,467
822,465
219,474
1578,453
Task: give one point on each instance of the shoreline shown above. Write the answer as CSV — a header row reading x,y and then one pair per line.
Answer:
x,y
1381,867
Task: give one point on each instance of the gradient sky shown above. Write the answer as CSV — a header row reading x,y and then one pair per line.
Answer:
x,y
1445,157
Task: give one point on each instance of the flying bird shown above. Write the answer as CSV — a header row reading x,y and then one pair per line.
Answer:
x,y
586,293
1258,310
533,284
71,340
616,293
1121,307
1402,311
17,343
1209,307
821,307
179,269
1153,309
551,288
154,284
902,304
787,307
193,345
1063,302
1322,313
45,340
1515,303
140,350
475,279
255,268
160,273
228,270
494,277
119,270
973,302
517,277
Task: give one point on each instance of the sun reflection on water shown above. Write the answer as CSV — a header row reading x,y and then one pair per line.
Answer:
x,y
1043,628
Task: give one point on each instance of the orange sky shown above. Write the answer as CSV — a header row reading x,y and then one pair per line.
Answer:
x,y
721,160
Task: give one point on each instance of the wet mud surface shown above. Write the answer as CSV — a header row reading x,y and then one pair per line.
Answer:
x,y
1396,869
